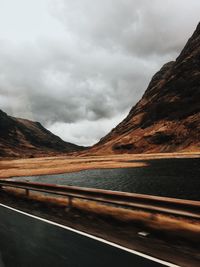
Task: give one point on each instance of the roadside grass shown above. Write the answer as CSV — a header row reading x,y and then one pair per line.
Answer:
x,y
165,225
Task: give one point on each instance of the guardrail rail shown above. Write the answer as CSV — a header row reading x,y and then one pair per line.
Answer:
x,y
155,204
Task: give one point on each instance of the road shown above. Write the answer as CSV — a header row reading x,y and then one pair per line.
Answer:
x,y
27,240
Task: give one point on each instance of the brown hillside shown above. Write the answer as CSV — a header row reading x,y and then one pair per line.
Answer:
x,y
24,138
167,118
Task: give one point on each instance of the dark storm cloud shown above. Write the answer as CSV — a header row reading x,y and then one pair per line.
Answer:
x,y
97,67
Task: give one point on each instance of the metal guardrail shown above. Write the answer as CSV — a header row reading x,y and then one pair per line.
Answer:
x,y
155,204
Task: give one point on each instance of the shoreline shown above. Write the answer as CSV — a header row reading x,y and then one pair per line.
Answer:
x,y
66,164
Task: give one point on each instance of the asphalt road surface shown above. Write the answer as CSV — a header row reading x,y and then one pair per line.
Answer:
x,y
29,241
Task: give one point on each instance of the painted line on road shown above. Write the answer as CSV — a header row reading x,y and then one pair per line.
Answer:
x,y
165,263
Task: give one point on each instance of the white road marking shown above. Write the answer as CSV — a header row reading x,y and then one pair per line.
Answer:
x,y
94,237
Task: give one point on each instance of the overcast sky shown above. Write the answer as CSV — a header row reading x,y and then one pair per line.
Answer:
x,y
78,66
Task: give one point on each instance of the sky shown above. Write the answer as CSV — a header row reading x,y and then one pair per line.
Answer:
x,y
78,66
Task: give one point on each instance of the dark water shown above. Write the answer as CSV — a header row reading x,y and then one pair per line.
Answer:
x,y
179,178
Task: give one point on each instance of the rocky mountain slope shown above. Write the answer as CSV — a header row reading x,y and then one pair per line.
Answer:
x,y
24,138
167,118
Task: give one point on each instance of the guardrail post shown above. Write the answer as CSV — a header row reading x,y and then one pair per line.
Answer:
x,y
69,204
27,192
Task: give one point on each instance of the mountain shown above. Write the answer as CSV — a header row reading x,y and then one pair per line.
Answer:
x,y
167,118
25,138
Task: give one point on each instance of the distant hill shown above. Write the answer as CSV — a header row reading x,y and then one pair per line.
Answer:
x,y
167,118
25,138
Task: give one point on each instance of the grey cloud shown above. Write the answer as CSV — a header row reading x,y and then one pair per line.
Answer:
x,y
99,66
139,27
